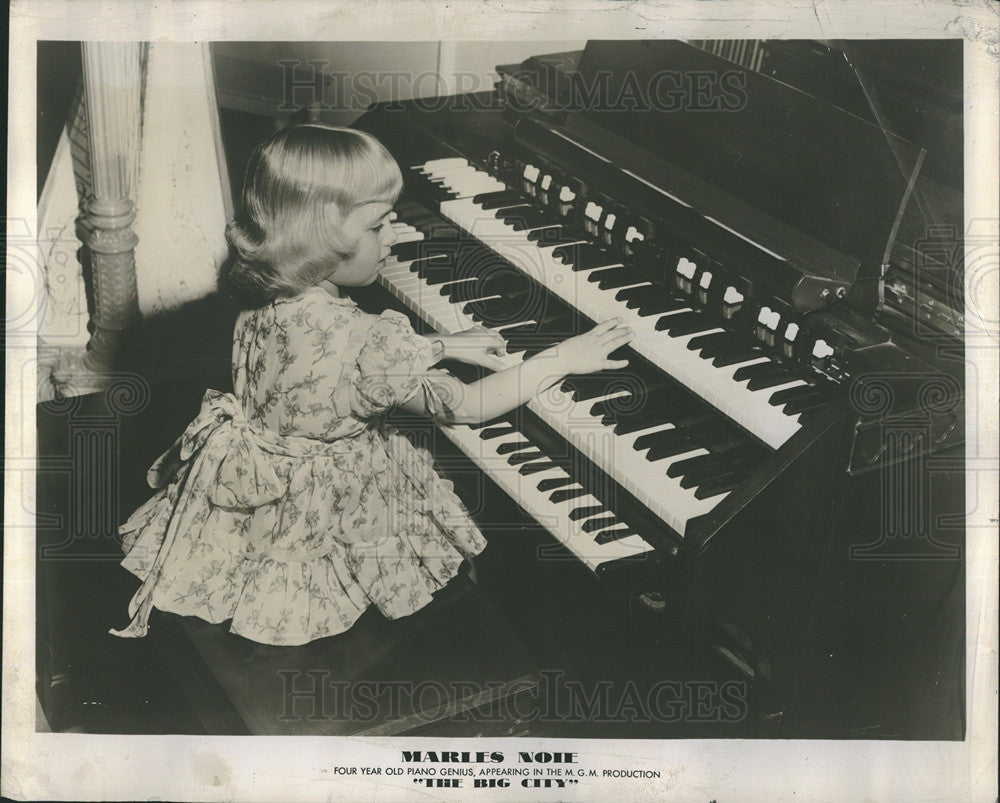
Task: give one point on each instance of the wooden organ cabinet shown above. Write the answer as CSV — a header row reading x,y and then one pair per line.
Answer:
x,y
777,475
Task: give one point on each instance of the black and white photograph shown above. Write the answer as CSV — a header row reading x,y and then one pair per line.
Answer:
x,y
554,410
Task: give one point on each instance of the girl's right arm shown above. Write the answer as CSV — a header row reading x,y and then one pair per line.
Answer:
x,y
511,387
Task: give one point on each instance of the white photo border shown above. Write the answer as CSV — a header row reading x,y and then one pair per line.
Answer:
x,y
77,766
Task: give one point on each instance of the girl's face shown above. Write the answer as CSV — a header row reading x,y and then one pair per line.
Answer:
x,y
368,225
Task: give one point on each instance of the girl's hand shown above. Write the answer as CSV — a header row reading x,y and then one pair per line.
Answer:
x,y
588,353
476,346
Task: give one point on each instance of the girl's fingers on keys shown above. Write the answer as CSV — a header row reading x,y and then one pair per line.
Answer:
x,y
617,337
606,326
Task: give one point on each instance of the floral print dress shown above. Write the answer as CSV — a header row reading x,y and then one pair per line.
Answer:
x,y
290,506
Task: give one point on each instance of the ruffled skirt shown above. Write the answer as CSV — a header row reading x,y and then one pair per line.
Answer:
x,y
293,547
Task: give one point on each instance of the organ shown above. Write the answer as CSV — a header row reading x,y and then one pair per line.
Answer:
x,y
795,336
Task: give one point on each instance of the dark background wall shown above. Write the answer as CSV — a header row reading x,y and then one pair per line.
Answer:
x,y
59,72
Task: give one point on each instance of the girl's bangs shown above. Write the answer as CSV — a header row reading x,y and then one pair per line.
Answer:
x,y
376,178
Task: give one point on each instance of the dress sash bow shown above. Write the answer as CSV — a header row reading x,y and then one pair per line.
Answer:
x,y
245,477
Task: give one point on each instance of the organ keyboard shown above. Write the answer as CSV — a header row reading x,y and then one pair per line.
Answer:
x,y
558,261
637,447
751,285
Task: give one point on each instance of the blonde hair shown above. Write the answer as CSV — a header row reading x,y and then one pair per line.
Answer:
x,y
299,186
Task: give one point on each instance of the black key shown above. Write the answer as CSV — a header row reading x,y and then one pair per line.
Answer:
x,y
733,347
710,344
684,323
770,380
520,330
671,447
436,270
478,296
461,291
634,423
599,524
435,274
717,486
704,433
444,231
553,236
489,201
719,469
500,289
525,457
426,188
419,216
512,446
613,278
646,295
781,397
735,452
508,282
495,432
420,249
500,420
611,413
526,333
429,247
755,370
645,391
552,483
685,418
691,465
805,403
534,468
525,217
659,410
503,212
410,210
609,535
667,320
588,387
404,252
566,494
553,328
531,344
626,419
519,313
651,439
503,311
585,512
541,234
583,256
658,304
739,353
477,260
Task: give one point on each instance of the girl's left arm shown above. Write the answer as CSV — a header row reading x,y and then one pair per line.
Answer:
x,y
476,346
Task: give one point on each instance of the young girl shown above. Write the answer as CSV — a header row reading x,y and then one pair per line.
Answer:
x,y
289,506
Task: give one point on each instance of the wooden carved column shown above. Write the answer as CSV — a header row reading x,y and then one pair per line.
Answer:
x,y
113,83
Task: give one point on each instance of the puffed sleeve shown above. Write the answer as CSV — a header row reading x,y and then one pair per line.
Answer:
x,y
394,365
